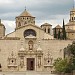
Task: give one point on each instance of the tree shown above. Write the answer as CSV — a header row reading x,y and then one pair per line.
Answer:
x,y
59,34
55,34
66,65
70,53
60,65
64,31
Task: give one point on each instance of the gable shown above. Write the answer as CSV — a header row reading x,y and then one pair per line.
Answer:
x,y
20,32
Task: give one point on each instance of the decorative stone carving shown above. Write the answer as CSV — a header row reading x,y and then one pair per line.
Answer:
x,y
21,62
39,61
12,61
48,60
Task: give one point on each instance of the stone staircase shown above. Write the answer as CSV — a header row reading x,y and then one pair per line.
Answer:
x,y
26,73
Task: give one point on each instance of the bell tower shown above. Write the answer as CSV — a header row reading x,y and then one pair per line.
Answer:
x,y
72,15
47,28
25,18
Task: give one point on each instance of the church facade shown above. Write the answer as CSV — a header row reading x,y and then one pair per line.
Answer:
x,y
29,47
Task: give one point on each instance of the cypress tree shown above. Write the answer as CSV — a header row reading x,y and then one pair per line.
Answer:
x,y
59,34
64,31
55,35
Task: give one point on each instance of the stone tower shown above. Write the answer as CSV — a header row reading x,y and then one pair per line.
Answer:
x,y
2,30
24,18
72,15
47,28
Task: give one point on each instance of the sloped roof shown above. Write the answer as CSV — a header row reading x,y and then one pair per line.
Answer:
x,y
58,26
26,14
73,9
1,25
70,23
46,24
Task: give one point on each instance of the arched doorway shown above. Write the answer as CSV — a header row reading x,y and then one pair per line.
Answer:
x,y
30,63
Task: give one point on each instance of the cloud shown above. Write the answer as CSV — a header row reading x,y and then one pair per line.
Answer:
x,y
50,10
9,25
5,2
37,8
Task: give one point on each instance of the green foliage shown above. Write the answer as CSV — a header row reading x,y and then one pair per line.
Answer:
x,y
66,65
55,35
60,65
69,68
64,31
59,34
70,52
70,49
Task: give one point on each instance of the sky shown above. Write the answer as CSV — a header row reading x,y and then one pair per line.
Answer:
x,y
50,11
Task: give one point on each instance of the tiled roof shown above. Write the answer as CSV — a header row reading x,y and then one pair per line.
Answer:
x,y
26,14
58,26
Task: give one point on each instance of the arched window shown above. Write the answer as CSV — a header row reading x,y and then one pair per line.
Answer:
x,y
30,43
29,32
25,22
19,24
0,66
72,18
45,29
48,30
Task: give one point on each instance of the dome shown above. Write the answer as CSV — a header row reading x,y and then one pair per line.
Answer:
x,y
25,13
46,24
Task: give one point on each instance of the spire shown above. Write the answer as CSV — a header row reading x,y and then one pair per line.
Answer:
x,y
25,13
73,3
25,8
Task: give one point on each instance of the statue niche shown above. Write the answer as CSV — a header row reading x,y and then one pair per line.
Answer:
x,y
30,43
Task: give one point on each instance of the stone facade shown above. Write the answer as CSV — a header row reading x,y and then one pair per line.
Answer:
x,y
70,26
2,30
29,47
